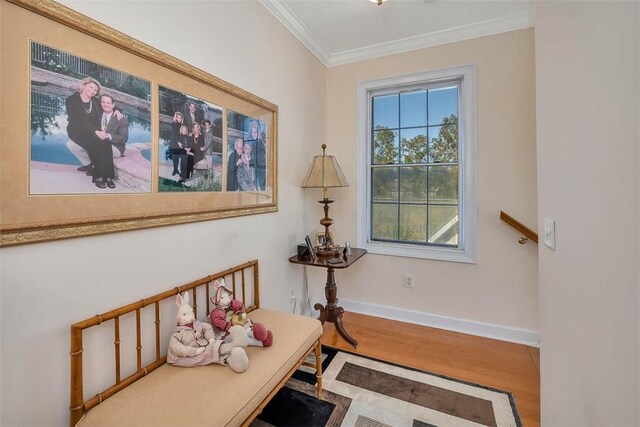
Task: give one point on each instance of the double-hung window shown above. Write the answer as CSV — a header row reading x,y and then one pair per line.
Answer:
x,y
416,165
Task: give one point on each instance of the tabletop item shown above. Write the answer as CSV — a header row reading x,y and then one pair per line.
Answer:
x,y
347,248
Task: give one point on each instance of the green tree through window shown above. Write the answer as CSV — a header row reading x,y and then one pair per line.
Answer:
x,y
414,150
444,147
385,149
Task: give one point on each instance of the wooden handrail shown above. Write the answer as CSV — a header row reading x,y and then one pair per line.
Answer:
x,y
528,233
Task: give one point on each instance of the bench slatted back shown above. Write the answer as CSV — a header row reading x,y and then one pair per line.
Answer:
x,y
78,405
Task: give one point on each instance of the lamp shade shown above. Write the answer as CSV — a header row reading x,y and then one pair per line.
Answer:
x,y
324,172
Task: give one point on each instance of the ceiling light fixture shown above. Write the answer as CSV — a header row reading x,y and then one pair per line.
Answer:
x,y
378,1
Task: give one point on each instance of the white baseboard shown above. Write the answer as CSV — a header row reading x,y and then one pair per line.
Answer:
x,y
487,330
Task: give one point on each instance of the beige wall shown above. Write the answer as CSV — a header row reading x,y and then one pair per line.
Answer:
x,y
501,288
46,287
587,78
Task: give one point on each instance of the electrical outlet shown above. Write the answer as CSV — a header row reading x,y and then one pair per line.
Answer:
x,y
292,295
408,281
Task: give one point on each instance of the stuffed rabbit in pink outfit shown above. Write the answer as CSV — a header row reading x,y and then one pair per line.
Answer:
x,y
194,343
228,312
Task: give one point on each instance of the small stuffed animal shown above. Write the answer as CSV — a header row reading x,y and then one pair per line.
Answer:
x,y
193,343
229,312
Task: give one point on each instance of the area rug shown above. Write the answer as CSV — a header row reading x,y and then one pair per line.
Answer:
x,y
364,392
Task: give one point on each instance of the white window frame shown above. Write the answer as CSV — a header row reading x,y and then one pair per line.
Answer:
x,y
466,250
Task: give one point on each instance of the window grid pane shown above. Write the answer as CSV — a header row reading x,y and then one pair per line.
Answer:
x,y
385,111
413,184
413,223
443,105
384,221
384,184
417,202
385,146
443,144
413,109
414,145
443,185
443,225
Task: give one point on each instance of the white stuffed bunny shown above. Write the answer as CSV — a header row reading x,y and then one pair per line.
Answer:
x,y
193,343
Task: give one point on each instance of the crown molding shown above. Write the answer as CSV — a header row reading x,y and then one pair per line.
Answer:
x,y
290,20
456,34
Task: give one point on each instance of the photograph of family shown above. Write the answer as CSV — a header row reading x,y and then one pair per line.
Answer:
x,y
90,127
246,153
190,143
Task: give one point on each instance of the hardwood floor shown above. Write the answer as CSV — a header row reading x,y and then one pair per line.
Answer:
x,y
502,365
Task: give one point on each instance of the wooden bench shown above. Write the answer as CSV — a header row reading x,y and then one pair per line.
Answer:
x,y
161,394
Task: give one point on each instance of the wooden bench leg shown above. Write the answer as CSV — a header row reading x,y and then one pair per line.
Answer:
x,y
319,369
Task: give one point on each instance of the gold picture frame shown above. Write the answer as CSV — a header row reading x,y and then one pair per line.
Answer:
x,y
29,217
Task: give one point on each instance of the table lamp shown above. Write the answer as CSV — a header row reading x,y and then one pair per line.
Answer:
x,y
324,172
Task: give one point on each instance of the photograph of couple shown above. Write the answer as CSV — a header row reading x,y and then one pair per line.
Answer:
x,y
247,153
90,127
190,143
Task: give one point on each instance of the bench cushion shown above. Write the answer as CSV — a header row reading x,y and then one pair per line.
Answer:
x,y
211,395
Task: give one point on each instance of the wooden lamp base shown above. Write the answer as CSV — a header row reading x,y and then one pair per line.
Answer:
x,y
328,250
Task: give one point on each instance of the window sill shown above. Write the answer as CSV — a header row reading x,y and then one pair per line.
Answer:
x,y
415,251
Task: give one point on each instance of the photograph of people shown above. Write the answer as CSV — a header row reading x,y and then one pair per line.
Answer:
x,y
180,153
235,158
260,152
195,146
246,136
209,141
96,148
191,162
78,142
193,115
245,175
174,148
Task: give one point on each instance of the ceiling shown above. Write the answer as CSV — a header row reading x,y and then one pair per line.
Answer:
x,y
343,31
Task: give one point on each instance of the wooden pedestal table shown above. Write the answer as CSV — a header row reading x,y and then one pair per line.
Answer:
x,y
331,312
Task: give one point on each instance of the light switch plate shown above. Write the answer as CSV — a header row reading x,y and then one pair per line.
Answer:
x,y
550,233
